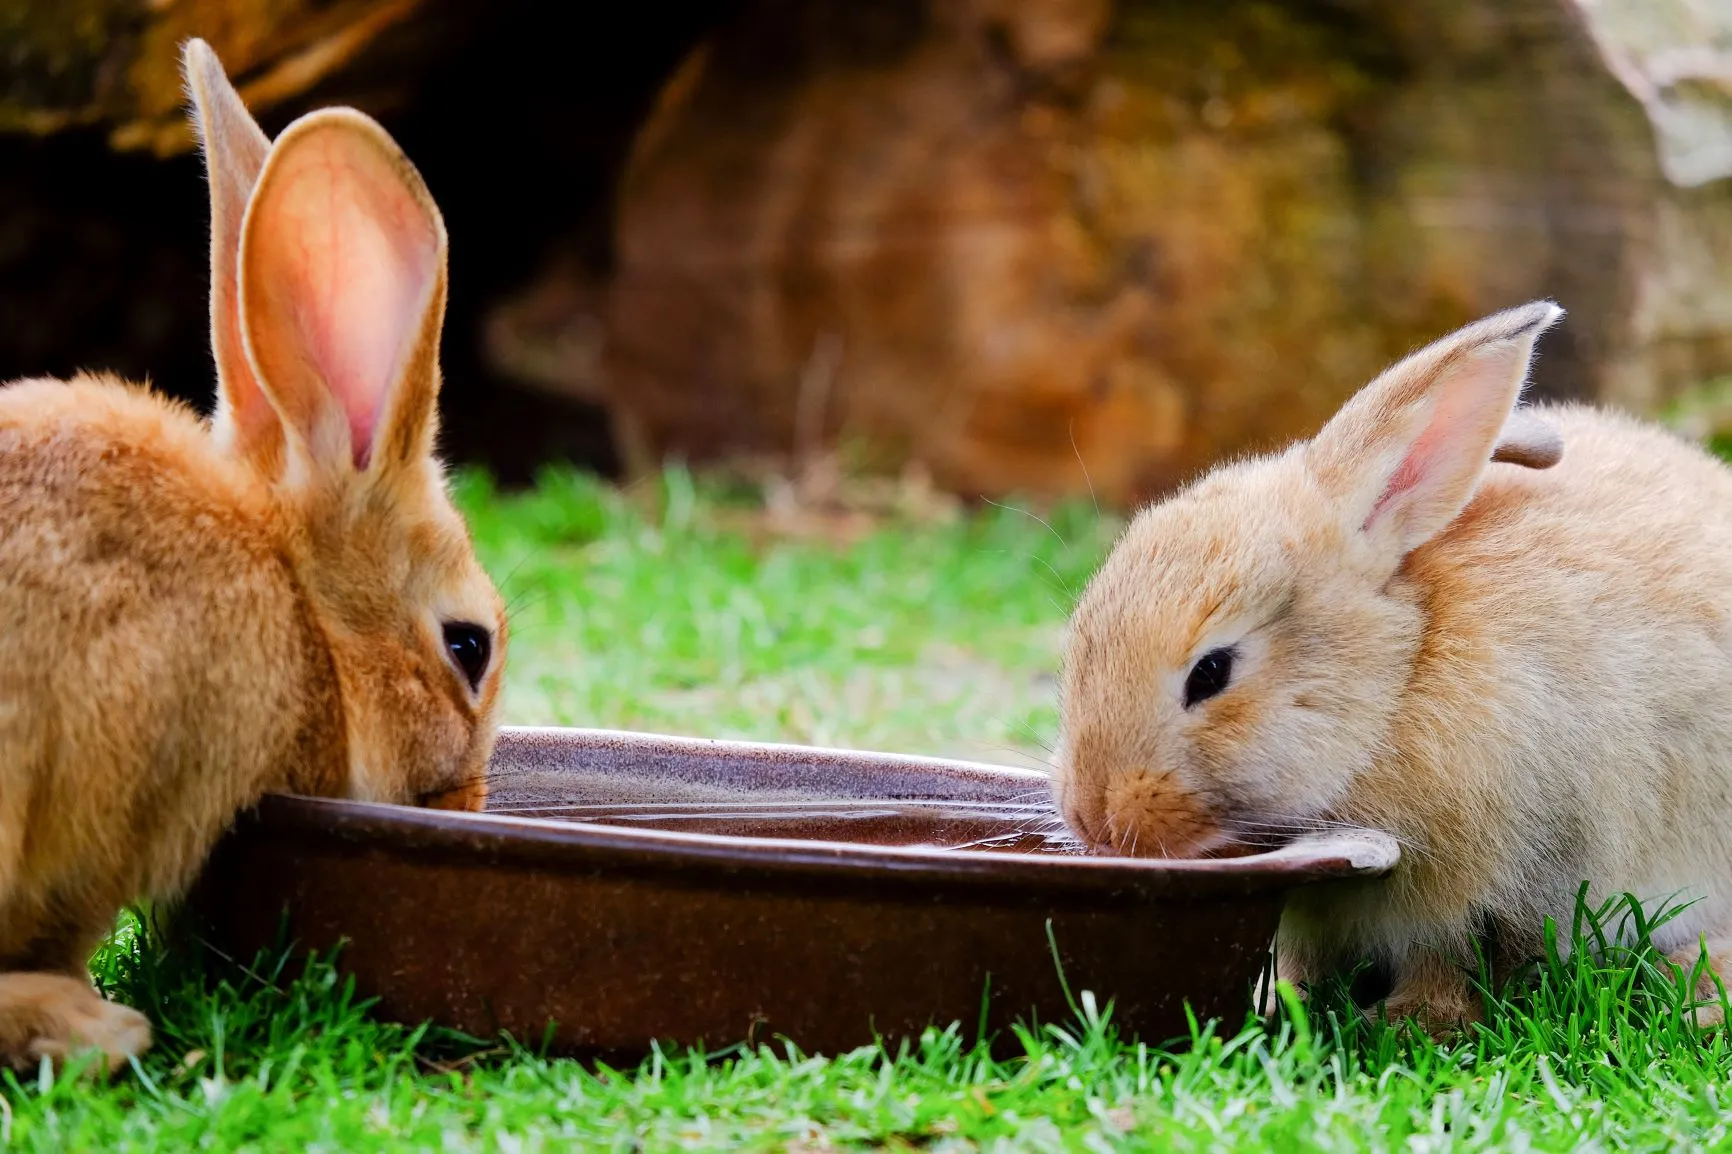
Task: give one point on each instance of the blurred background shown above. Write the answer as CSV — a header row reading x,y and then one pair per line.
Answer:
x,y
1029,246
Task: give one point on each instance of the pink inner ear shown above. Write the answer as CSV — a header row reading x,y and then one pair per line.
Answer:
x,y
1437,475
1407,475
359,276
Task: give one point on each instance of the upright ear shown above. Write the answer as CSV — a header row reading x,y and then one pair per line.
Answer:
x,y
342,293
234,152
1404,456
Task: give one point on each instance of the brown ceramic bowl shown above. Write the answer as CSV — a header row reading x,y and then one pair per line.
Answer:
x,y
715,891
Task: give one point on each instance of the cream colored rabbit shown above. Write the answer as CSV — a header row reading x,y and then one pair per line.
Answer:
x,y
1524,675
283,600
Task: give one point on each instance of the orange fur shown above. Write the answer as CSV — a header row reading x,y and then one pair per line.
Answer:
x,y
1523,673
55,1017
201,613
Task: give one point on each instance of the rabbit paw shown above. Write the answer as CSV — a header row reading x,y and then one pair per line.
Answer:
x,y
58,1017
1434,996
1710,1010
1440,1018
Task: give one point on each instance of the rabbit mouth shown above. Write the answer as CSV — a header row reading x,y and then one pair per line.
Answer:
x,y
1174,835
470,796
1198,836
1151,814
1154,814
1171,844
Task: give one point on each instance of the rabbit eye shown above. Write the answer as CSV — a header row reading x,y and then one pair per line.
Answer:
x,y
469,647
1209,676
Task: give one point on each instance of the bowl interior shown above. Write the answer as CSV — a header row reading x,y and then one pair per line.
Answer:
x,y
932,824
777,793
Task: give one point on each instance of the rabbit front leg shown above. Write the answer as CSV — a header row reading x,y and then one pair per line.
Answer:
x,y
49,1009
1710,1007
58,1016
1433,992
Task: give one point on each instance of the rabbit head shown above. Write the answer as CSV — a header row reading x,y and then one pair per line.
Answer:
x,y
328,282
1240,657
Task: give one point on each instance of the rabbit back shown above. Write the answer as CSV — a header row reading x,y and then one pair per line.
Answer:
x,y
158,668
1569,714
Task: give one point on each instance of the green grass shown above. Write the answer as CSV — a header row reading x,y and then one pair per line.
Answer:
x,y
937,638
920,637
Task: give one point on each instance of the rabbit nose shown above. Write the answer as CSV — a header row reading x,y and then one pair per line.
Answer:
x,y
1151,814
1083,809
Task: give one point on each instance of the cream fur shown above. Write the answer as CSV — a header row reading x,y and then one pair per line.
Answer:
x,y
1534,692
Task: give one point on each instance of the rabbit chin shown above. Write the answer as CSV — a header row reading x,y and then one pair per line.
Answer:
x,y
469,796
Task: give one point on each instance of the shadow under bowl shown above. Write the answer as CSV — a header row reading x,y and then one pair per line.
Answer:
x,y
631,888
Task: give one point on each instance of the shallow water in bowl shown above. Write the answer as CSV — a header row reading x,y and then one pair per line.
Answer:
x,y
946,824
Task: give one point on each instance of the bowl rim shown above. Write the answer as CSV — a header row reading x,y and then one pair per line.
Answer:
x,y
572,846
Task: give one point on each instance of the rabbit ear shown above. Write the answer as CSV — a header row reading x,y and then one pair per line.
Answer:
x,y
1405,455
342,292
234,151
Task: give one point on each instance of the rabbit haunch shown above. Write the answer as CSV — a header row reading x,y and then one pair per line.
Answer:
x,y
201,613
1500,634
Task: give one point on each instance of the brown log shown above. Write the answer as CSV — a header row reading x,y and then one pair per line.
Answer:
x,y
114,64
1045,245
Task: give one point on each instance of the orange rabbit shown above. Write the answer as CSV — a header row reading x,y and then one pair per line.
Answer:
x,y
283,599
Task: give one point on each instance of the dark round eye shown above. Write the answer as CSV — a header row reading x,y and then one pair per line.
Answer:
x,y
1208,676
469,646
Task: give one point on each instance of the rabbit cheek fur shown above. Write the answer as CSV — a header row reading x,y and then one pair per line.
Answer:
x,y
1524,674
382,571
199,613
